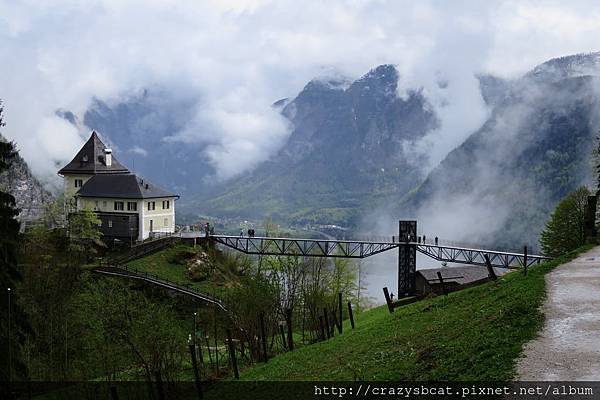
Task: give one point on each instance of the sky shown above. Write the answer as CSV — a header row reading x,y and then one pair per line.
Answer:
x,y
238,57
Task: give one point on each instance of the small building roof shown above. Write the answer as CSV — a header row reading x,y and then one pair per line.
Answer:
x,y
463,275
121,186
90,160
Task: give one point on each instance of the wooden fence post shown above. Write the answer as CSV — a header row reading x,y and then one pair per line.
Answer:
x,y
264,336
525,260
322,327
196,374
439,274
388,300
290,335
232,355
350,314
326,318
488,264
340,328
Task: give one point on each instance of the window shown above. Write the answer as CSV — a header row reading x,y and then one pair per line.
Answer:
x,y
151,205
110,223
166,204
78,183
96,205
119,206
131,206
104,204
166,222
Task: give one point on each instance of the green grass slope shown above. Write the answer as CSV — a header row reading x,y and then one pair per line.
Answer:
x,y
475,334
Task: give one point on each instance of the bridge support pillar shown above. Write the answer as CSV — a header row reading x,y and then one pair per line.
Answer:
x,y
407,258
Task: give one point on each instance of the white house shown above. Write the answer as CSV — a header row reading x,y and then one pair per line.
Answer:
x,y
130,208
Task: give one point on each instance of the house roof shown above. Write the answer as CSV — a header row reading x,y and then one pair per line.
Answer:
x,y
463,275
90,160
121,186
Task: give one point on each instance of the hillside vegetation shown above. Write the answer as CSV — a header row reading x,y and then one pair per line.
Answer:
x,y
475,334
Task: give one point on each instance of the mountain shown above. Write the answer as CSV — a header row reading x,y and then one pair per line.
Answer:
x,y
345,154
346,162
29,193
138,129
501,184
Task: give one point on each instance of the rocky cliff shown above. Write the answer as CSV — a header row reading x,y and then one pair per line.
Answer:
x,y
29,193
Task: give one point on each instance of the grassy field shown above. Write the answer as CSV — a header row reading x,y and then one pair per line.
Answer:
x,y
165,264
475,334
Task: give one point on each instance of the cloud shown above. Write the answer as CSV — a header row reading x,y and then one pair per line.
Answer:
x,y
238,57
139,151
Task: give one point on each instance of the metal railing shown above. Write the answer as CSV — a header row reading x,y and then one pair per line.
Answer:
x,y
145,248
133,272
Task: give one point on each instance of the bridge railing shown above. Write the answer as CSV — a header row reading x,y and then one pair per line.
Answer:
x,y
165,281
145,248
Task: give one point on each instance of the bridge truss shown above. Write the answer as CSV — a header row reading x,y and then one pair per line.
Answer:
x,y
477,257
303,247
275,246
407,250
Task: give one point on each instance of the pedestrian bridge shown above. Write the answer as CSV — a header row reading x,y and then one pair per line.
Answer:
x,y
280,246
404,242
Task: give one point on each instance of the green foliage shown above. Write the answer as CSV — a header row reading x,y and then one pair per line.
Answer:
x,y
9,274
255,295
596,156
182,255
475,334
84,234
124,325
565,229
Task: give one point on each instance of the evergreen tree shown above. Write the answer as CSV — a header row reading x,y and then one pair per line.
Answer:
x,y
11,329
565,229
597,157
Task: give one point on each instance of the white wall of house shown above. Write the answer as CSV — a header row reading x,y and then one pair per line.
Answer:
x,y
107,204
159,217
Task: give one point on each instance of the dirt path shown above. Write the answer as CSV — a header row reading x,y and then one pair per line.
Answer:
x,y
568,347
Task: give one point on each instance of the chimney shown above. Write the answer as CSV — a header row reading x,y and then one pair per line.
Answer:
x,y
108,157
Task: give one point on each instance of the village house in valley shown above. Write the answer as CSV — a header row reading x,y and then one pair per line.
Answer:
x,y
130,208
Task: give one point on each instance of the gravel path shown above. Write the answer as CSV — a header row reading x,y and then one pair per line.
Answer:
x,y
568,347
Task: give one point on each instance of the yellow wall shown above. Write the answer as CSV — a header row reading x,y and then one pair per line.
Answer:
x,y
158,206
107,204
158,215
69,183
159,223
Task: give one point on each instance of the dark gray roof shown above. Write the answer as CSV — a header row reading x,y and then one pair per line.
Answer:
x,y
122,186
462,275
90,160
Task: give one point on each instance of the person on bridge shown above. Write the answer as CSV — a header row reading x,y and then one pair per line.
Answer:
x,y
424,239
436,240
241,233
